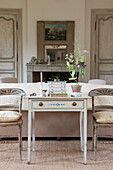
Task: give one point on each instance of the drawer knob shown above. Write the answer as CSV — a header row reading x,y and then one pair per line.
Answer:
x,y
74,103
40,104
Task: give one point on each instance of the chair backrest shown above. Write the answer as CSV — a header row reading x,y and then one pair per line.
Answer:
x,y
97,81
13,91
8,80
100,92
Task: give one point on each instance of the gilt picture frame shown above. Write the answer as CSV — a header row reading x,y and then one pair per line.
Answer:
x,y
55,31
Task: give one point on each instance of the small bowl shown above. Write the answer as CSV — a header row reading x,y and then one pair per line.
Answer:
x,y
44,91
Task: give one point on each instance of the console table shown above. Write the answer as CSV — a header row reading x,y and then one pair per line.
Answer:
x,y
57,104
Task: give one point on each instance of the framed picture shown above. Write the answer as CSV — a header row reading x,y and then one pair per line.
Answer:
x,y
55,31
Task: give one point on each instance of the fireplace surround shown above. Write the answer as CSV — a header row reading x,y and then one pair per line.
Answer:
x,y
39,72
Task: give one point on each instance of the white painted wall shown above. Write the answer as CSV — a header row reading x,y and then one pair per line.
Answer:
x,y
34,10
53,10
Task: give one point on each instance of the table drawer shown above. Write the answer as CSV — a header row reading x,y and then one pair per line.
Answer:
x,y
58,104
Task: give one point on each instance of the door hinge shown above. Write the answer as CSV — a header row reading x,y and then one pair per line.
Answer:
x,y
17,57
16,25
95,58
95,25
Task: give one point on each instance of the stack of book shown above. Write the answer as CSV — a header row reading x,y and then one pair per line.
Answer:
x,y
57,88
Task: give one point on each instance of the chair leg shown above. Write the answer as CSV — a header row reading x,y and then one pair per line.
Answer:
x,y
20,141
95,144
93,136
93,140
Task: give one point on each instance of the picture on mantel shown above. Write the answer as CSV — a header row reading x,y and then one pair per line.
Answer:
x,y
55,31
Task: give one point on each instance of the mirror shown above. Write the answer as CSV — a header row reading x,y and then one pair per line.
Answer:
x,y
57,53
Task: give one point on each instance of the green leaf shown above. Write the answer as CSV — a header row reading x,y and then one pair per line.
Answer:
x,y
67,62
73,73
73,78
85,58
83,73
81,59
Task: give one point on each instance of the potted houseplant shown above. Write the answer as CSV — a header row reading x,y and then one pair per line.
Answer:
x,y
55,77
76,64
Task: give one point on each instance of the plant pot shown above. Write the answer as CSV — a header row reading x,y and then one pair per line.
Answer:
x,y
56,79
76,88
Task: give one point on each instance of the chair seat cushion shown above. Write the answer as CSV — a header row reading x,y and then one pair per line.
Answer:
x,y
9,116
103,117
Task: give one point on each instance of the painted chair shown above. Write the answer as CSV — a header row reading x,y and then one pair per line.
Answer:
x,y
10,111
102,114
97,81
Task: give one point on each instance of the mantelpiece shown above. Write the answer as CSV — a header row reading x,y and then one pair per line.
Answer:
x,y
32,69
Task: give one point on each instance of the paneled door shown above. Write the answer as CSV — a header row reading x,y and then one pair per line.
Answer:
x,y
10,52
102,45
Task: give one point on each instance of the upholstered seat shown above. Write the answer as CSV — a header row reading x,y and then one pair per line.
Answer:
x,y
103,117
9,116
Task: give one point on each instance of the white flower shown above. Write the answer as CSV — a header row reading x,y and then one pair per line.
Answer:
x,y
85,51
71,56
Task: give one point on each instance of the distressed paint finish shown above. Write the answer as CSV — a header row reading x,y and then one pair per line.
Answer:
x,y
101,91
6,37
12,91
11,43
42,68
101,44
39,108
